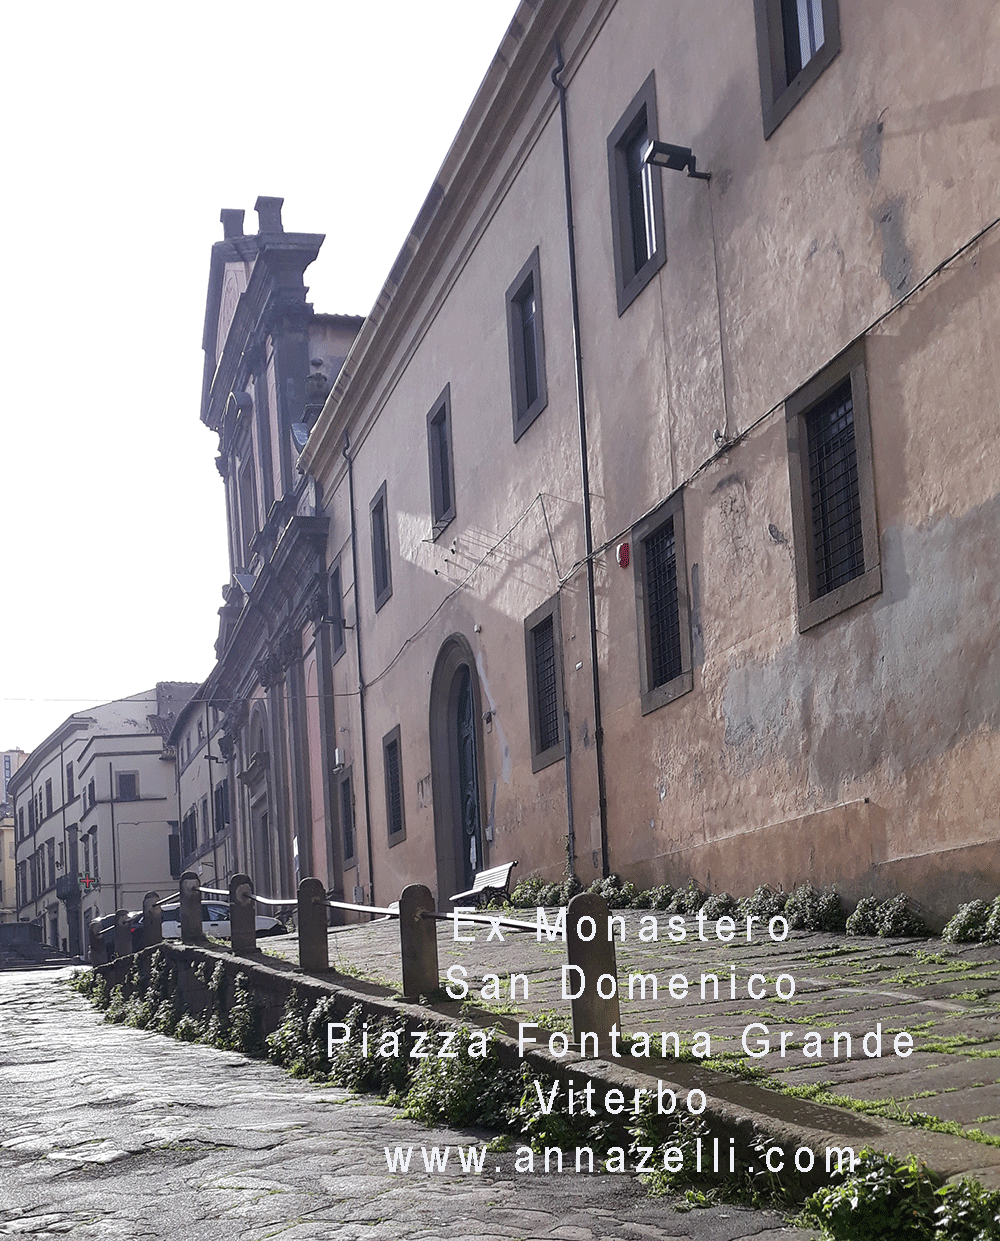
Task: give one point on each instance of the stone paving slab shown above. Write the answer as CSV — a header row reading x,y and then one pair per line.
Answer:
x,y
108,1132
946,996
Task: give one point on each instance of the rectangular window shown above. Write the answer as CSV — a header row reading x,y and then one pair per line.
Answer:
x,y
249,519
206,822
189,833
833,492
92,794
637,231
662,610
338,635
381,568
20,824
48,798
51,851
526,344
393,765
70,784
128,785
439,456
345,798
97,869
220,797
543,657
796,40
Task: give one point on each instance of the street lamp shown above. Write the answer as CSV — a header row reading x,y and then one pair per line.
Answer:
x,y
667,155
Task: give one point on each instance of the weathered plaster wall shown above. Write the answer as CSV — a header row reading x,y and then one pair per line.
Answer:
x,y
793,250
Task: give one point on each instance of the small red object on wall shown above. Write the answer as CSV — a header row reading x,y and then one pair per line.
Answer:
x,y
623,555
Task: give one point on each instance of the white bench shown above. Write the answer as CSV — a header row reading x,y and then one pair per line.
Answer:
x,y
488,883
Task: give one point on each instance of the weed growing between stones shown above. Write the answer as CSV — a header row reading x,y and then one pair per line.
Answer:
x,y
469,1090
890,1200
976,921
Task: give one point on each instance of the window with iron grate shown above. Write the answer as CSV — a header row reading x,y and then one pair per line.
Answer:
x,y
835,502
832,490
543,660
662,606
392,764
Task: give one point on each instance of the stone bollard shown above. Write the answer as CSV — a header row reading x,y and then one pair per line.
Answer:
x,y
418,942
123,936
152,920
97,954
314,953
596,1008
242,915
191,932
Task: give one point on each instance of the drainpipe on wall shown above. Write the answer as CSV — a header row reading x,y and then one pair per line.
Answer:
x,y
361,679
602,796
211,797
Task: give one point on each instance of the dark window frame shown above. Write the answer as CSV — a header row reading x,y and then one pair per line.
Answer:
x,y
391,739
632,277
814,608
653,696
379,505
527,283
338,634
542,757
441,463
134,776
344,779
779,92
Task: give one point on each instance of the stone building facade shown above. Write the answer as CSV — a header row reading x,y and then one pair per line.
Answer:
x,y
649,524
253,743
94,809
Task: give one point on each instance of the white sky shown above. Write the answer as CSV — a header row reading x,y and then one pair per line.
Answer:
x,y
127,127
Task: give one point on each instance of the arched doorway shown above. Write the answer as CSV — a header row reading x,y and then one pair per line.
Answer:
x,y
456,767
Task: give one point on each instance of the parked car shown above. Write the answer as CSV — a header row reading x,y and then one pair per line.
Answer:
x,y
215,921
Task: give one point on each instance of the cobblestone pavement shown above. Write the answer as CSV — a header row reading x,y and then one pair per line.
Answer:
x,y
109,1132
945,995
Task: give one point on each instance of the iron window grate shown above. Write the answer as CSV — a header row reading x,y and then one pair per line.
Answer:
x,y
394,786
662,606
838,545
546,695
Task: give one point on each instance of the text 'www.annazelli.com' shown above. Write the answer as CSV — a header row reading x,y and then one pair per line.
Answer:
x,y
710,1156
